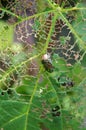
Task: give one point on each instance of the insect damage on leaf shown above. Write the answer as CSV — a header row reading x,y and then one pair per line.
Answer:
x,y
65,81
56,111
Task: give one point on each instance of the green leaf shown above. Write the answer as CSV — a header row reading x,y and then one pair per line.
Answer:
x,y
13,115
29,102
6,35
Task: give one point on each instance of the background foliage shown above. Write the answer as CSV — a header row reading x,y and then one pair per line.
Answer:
x,y
53,96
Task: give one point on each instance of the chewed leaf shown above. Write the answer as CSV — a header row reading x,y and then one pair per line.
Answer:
x,y
42,64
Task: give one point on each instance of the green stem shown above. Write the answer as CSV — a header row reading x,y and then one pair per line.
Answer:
x,y
31,99
34,16
50,32
72,9
9,12
50,3
58,101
